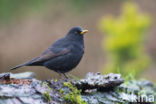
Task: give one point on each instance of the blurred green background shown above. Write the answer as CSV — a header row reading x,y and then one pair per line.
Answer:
x,y
121,34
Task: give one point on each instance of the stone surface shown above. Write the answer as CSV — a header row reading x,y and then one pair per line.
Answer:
x,y
96,89
99,82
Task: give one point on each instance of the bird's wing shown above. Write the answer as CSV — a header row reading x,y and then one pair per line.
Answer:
x,y
48,54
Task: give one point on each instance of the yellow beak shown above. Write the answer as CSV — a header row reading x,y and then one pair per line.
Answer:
x,y
84,31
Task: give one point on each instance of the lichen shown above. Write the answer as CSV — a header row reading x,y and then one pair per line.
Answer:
x,y
65,92
98,82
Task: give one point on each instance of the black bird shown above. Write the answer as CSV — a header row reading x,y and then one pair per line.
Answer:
x,y
63,55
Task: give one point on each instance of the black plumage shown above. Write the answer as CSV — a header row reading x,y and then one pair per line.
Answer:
x,y
63,55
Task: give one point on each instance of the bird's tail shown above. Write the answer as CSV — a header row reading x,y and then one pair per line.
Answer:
x,y
29,63
18,66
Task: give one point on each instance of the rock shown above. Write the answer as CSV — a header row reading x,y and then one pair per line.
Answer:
x,y
24,75
96,89
99,82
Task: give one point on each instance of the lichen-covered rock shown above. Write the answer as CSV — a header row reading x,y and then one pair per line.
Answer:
x,y
138,92
21,94
33,91
99,82
24,75
94,89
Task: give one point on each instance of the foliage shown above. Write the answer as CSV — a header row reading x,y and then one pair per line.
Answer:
x,y
124,40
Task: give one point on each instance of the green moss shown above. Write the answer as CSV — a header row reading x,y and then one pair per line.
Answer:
x,y
61,91
47,96
74,97
56,80
47,93
45,85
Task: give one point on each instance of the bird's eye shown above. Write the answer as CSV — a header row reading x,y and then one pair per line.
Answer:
x,y
76,32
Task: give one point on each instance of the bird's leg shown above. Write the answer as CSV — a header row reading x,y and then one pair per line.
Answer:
x,y
65,76
60,74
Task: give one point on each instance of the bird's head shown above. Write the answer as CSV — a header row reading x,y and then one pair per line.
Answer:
x,y
76,33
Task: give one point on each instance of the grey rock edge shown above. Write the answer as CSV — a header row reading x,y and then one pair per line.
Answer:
x,y
96,89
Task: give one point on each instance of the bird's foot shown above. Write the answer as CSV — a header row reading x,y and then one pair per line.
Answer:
x,y
64,77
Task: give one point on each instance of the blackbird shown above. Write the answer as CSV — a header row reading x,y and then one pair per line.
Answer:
x,y
63,55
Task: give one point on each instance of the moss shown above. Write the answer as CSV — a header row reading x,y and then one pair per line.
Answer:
x,y
61,91
47,96
55,80
44,84
74,97
47,92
